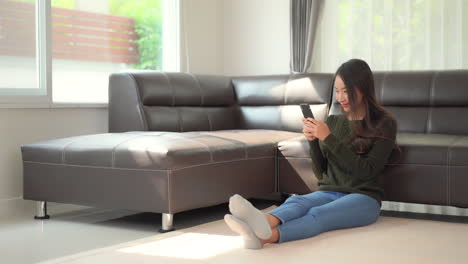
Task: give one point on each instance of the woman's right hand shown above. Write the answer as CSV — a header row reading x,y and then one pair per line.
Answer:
x,y
307,129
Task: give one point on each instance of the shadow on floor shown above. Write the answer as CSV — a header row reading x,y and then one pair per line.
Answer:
x,y
148,221
425,216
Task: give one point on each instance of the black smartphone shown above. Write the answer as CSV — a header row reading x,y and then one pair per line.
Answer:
x,y
306,111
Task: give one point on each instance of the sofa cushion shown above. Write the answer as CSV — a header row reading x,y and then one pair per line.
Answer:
x,y
296,147
423,149
186,118
416,148
422,101
425,160
272,102
178,102
459,152
157,150
184,89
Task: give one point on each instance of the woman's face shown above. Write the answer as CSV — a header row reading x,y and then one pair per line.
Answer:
x,y
341,94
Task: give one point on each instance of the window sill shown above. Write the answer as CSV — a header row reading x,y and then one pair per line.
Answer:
x,y
53,105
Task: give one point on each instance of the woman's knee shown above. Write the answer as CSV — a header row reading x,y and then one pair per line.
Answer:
x,y
339,215
368,217
295,199
316,198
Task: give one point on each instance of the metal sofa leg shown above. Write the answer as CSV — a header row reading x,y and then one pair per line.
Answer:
x,y
41,210
167,223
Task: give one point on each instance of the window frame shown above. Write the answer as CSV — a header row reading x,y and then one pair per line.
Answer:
x,y
42,96
43,93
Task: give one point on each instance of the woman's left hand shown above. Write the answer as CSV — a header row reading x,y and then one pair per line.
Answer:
x,y
319,129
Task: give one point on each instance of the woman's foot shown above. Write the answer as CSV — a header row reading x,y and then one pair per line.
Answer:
x,y
245,211
251,241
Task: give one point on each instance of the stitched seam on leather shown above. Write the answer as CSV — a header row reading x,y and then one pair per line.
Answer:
x,y
225,138
416,164
393,165
143,114
279,126
113,149
280,108
245,145
172,87
288,158
209,120
449,166
88,166
446,178
132,169
218,162
448,175
201,143
179,119
276,187
202,95
68,144
431,102
173,101
264,157
169,190
286,90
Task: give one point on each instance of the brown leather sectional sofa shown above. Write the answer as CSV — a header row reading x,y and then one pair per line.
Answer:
x,y
179,141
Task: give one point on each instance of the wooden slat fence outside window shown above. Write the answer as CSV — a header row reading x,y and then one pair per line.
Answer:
x,y
77,35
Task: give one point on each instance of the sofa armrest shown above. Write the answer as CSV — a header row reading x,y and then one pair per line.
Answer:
x,y
125,109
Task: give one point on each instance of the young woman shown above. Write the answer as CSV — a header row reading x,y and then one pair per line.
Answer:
x,y
348,151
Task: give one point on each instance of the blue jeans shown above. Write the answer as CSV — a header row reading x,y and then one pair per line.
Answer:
x,y
304,216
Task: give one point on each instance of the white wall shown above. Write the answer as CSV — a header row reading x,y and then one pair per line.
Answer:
x,y
232,37
23,126
235,37
256,37
201,33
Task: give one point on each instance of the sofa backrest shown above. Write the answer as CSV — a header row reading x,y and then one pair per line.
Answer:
x,y
433,102
151,101
272,102
158,101
422,101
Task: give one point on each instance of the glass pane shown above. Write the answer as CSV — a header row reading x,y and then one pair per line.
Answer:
x,y
92,39
18,44
464,35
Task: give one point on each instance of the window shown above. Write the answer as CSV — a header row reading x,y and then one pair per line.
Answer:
x,y
88,40
20,54
393,35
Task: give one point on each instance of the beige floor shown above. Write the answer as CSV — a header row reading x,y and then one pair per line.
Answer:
x,y
73,230
390,240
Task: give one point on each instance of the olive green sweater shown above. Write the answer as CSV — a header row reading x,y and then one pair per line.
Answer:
x,y
338,168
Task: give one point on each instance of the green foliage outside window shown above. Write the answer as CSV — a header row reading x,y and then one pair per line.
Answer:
x,y
148,25
55,3
70,4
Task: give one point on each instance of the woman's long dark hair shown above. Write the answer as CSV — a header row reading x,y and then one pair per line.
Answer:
x,y
356,74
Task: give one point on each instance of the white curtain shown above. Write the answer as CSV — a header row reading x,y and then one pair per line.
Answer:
x,y
304,17
393,35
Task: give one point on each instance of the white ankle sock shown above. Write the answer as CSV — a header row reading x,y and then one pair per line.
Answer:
x,y
245,211
250,240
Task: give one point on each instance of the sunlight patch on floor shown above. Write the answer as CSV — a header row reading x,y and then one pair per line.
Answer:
x,y
188,246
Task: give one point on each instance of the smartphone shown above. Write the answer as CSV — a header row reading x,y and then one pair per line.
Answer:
x,y
306,111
